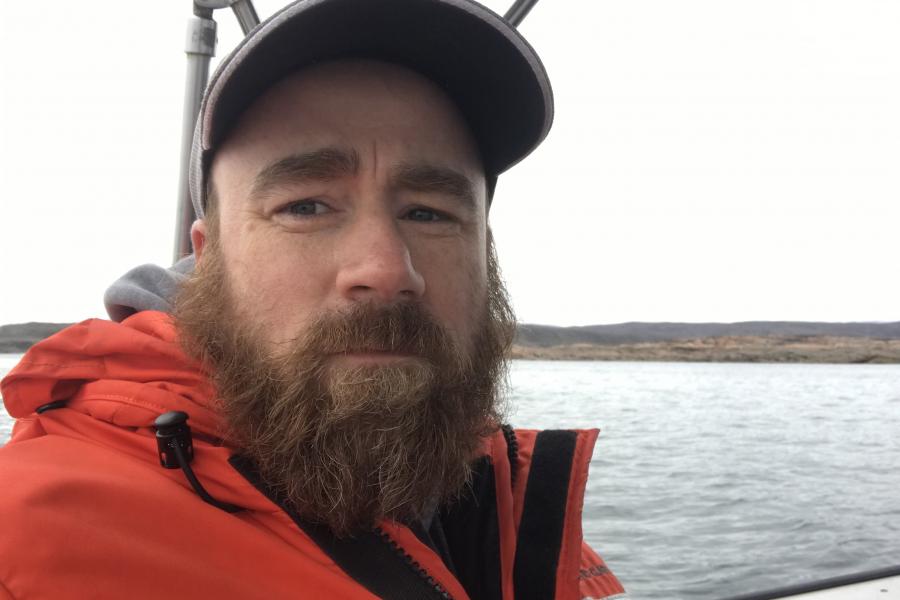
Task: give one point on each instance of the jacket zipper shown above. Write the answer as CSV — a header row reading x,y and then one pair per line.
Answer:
x,y
320,537
412,563
512,452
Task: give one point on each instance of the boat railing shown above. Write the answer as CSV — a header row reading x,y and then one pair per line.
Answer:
x,y
825,584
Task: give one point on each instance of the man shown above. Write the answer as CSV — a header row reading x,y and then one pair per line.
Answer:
x,y
338,348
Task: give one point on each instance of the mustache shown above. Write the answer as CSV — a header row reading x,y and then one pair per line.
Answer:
x,y
403,328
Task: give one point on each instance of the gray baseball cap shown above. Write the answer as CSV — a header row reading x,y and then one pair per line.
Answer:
x,y
480,61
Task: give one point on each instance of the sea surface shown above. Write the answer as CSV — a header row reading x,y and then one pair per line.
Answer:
x,y
710,480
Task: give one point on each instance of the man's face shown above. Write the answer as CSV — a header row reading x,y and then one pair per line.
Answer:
x,y
346,183
346,299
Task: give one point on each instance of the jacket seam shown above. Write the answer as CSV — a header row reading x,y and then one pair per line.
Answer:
x,y
127,400
72,365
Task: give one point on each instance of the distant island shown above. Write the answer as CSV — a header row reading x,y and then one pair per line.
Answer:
x,y
751,341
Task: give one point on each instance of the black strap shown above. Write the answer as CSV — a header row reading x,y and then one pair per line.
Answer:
x,y
543,515
371,558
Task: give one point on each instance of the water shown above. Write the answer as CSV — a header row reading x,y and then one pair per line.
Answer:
x,y
7,361
716,479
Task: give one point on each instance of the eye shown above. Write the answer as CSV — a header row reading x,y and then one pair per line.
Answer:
x,y
305,208
425,215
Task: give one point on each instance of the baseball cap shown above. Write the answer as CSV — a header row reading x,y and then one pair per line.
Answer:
x,y
480,61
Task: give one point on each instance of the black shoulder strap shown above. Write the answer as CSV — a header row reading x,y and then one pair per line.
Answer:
x,y
543,515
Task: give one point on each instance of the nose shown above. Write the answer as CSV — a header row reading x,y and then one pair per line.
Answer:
x,y
375,265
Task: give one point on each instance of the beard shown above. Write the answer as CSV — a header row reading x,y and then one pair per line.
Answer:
x,y
345,446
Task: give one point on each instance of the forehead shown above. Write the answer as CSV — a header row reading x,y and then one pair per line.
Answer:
x,y
382,111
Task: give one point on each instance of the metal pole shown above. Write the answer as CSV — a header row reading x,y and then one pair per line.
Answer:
x,y
518,11
246,15
200,46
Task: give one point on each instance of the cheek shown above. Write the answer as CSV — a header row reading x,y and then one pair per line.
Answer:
x,y
456,288
276,285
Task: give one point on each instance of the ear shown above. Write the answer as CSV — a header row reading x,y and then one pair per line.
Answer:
x,y
198,238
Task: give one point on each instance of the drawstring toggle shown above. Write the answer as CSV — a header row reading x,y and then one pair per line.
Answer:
x,y
172,432
176,451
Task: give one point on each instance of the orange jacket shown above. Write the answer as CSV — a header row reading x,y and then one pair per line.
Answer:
x,y
87,510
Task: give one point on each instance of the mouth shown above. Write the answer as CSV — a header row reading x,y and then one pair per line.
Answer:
x,y
368,357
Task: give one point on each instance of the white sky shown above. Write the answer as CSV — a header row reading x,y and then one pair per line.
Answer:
x,y
710,161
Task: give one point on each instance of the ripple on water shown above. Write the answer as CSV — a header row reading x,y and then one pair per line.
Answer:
x,y
7,362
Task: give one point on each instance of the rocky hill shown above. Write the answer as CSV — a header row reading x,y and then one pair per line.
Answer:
x,y
634,333
752,341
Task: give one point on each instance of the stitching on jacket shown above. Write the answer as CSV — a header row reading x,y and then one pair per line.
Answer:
x,y
128,400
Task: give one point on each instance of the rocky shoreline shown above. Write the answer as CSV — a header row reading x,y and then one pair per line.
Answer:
x,y
757,349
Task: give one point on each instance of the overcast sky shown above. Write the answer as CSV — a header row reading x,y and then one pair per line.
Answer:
x,y
710,160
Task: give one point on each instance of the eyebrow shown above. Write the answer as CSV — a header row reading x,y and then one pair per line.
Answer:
x,y
324,164
434,179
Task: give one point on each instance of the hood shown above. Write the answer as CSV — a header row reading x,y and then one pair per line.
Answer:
x,y
116,379
126,374
147,287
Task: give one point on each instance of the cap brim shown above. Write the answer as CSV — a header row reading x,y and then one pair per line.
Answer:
x,y
482,63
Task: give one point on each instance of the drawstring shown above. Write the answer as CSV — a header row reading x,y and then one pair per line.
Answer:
x,y
50,406
176,450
